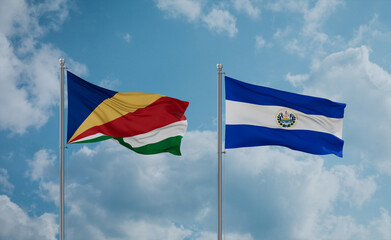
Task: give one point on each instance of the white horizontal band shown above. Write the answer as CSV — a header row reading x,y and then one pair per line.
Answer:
x,y
238,113
158,134
154,136
90,137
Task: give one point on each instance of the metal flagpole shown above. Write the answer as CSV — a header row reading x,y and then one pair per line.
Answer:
x,y
62,68
219,152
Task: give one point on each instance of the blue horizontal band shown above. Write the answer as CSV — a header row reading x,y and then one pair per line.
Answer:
x,y
236,90
237,136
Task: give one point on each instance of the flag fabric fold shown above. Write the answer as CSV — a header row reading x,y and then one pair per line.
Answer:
x,y
143,122
259,116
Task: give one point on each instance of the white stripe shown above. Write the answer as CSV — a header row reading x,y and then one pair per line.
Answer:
x,y
154,136
96,135
265,116
158,134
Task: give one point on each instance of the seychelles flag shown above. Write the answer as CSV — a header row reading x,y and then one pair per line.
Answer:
x,y
146,123
259,116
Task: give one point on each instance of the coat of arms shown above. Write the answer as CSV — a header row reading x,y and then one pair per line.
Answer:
x,y
286,118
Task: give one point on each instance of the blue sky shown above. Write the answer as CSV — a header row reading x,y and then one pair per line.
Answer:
x,y
335,49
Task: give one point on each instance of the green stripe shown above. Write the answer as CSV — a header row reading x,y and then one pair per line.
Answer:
x,y
171,145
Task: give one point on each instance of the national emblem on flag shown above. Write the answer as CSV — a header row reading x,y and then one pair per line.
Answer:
x,y
258,116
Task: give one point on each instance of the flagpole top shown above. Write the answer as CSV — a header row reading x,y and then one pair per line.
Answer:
x,y
62,62
219,67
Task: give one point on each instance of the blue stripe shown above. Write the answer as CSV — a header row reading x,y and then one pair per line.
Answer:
x,y
244,92
83,98
237,136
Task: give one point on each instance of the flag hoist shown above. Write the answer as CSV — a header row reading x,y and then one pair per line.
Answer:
x,y
143,122
262,116
219,151
62,147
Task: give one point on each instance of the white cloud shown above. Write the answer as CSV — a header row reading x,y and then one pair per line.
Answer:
x,y
203,213
297,191
109,83
382,225
41,165
345,227
150,231
76,67
17,225
367,33
314,17
119,193
310,39
295,46
229,236
191,144
134,192
288,5
359,34
384,166
42,170
127,37
355,191
247,7
187,8
21,107
349,76
28,67
259,42
86,151
6,186
297,79
220,20
50,192
15,18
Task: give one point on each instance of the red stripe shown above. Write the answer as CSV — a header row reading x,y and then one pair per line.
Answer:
x,y
160,113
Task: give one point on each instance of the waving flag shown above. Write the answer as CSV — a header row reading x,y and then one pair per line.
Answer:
x,y
146,123
258,116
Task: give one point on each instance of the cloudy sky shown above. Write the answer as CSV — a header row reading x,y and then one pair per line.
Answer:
x,y
337,49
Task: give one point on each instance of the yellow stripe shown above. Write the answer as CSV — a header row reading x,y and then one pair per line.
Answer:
x,y
115,107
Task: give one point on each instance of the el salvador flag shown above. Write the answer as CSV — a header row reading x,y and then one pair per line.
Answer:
x,y
259,116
